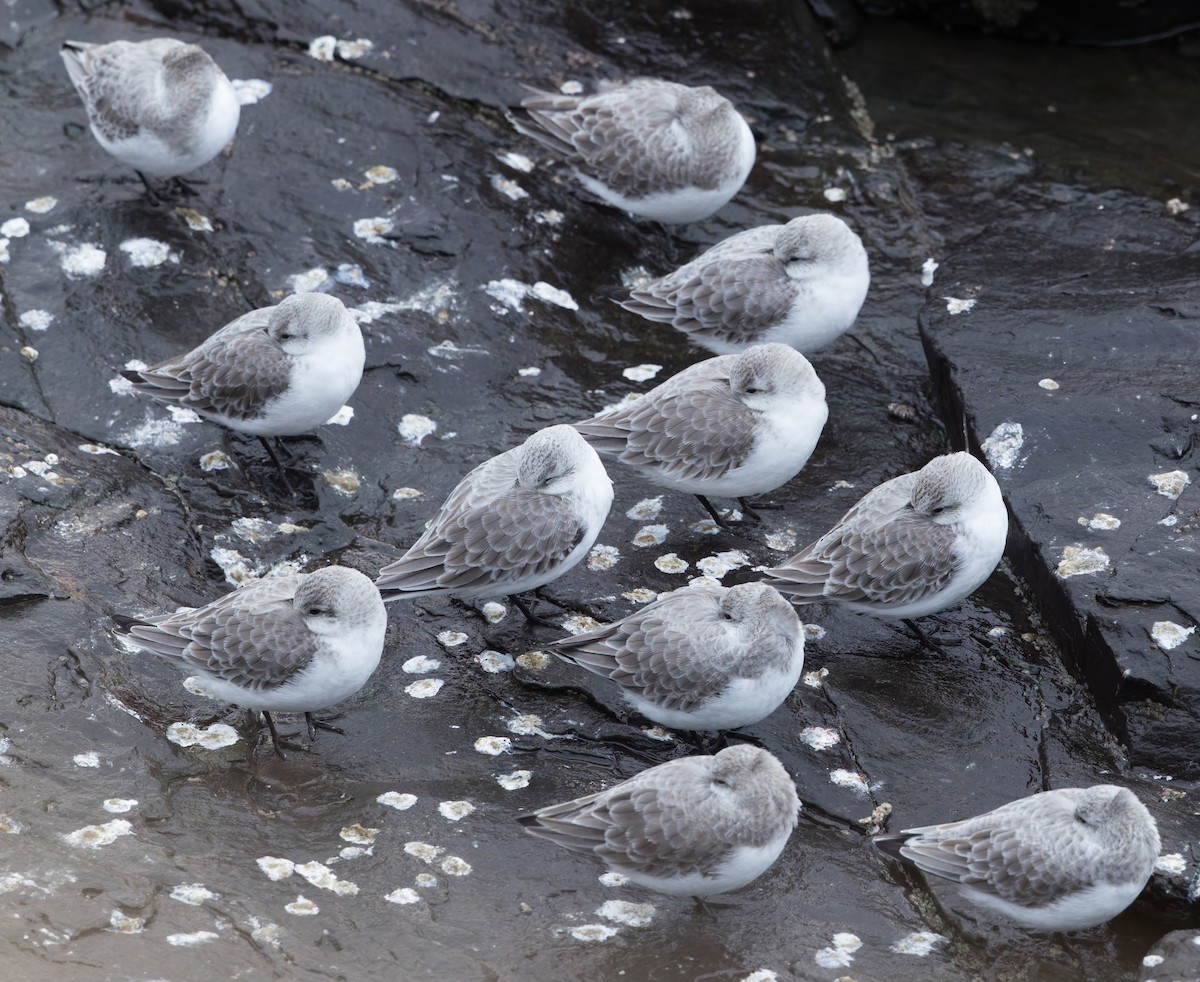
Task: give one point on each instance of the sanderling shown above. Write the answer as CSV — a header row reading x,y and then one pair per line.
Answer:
x,y
652,148
690,827
912,546
276,371
1060,860
285,644
801,284
701,657
513,524
734,426
161,106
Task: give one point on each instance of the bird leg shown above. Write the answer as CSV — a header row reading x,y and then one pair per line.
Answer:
x,y
153,195
921,636
282,473
315,724
275,740
716,517
530,616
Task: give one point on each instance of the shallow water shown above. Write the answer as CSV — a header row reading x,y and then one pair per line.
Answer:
x,y
85,723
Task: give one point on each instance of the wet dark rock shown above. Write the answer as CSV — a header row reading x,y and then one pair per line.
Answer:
x,y
1075,360
1174,958
1084,22
448,339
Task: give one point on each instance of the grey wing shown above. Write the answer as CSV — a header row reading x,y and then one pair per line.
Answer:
x,y
698,431
628,137
667,652
120,83
253,637
489,531
736,301
234,373
881,552
1005,854
658,823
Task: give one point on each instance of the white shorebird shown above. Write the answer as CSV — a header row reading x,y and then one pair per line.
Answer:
x,y
285,644
276,371
733,426
161,106
912,546
1060,860
657,149
690,827
701,657
513,524
801,284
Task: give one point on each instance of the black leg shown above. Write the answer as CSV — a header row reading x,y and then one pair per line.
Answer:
x,y
274,735
315,724
153,195
749,512
282,473
713,512
530,616
922,637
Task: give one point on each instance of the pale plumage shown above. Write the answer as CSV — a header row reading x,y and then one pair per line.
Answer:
x,y
1060,860
733,426
657,149
514,523
801,284
291,644
161,106
276,371
690,827
912,546
701,657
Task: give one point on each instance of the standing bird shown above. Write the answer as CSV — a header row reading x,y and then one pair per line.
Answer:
x,y
276,371
912,546
1060,860
694,826
657,149
701,657
285,644
161,106
801,284
735,426
513,524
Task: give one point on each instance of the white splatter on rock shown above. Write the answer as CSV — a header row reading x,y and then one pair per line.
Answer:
x,y
401,801
515,780
302,907
956,306
455,811
495,662
1170,484
192,939
275,867
404,895
841,952
593,932
421,665
919,943
424,688
194,894
1003,446
645,509
413,428
321,876
451,639
1168,635
603,558
1081,561
119,806
250,90
819,737
147,253
212,737
641,373
89,759
36,320
493,746
650,535
624,912
95,836
1172,863
671,563
358,834
850,780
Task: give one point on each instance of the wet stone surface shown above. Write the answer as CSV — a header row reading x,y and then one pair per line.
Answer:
x,y
139,828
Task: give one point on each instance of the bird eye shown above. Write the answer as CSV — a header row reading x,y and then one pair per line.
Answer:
x,y
937,510
752,390
315,611
726,616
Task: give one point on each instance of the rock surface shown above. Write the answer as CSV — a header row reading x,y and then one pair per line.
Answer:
x,y
389,176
